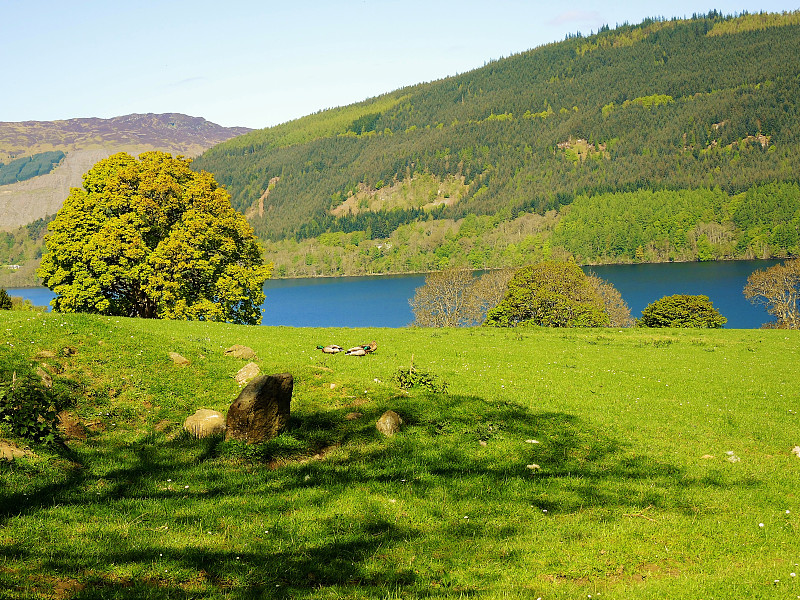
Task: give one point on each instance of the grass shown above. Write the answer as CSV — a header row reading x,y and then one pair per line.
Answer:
x,y
560,464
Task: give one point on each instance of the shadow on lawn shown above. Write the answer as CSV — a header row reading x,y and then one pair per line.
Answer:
x,y
472,449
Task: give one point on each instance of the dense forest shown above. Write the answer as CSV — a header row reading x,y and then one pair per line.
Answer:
x,y
29,167
667,140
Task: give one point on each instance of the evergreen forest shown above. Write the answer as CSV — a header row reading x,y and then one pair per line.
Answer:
x,y
666,140
29,167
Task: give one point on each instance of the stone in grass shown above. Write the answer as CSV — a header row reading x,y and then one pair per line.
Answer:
x,y
204,423
10,451
178,359
261,411
239,351
796,451
246,373
389,423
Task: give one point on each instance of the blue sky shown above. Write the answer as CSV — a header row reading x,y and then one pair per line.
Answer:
x,y
259,63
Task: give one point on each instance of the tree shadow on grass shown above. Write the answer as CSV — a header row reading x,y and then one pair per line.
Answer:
x,y
461,447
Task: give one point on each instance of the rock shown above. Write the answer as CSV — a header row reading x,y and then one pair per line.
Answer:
x,y
389,423
796,451
10,451
261,411
246,373
204,423
70,426
239,351
47,380
178,359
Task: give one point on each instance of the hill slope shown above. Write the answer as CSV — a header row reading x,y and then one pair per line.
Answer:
x,y
85,141
698,104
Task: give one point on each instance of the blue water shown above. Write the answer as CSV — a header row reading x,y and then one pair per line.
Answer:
x,y
382,301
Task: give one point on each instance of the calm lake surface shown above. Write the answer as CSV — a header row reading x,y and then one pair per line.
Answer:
x,y
382,301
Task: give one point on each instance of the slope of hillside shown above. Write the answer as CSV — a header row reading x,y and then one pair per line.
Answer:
x,y
705,103
85,141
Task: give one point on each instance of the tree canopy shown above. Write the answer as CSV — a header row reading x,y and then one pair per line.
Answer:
x,y
149,237
682,310
550,294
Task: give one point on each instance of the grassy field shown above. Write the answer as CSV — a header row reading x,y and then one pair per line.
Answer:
x,y
559,464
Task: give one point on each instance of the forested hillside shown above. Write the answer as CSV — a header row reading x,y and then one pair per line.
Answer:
x,y
668,140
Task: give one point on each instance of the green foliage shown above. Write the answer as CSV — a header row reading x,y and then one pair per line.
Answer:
x,y
550,294
148,237
682,310
29,167
5,300
27,408
686,111
411,377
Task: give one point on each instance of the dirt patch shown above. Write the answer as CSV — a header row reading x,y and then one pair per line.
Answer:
x,y
70,426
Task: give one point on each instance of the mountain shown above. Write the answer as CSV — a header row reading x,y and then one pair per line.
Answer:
x,y
74,145
572,149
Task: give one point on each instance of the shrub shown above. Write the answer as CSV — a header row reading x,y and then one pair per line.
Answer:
x,y
550,294
410,377
27,408
682,310
5,300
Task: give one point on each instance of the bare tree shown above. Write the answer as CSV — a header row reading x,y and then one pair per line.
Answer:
x,y
619,313
778,289
487,292
444,300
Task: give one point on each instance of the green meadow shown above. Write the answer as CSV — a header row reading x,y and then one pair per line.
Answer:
x,y
618,464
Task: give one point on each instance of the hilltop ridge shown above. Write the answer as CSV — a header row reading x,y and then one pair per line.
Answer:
x,y
705,108
85,141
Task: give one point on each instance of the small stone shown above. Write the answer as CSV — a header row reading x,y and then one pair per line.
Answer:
x,y
204,423
533,467
389,423
246,373
178,359
707,456
47,380
796,451
239,351
483,443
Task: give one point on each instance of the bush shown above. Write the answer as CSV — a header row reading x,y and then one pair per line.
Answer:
x,y
5,300
410,377
550,294
682,310
27,408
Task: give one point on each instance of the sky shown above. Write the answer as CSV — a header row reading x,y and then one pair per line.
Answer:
x,y
259,63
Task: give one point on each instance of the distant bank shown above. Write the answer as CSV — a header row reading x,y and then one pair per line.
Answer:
x,y
382,301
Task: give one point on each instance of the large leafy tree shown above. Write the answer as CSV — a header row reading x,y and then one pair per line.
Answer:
x,y
682,310
550,294
778,289
149,237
